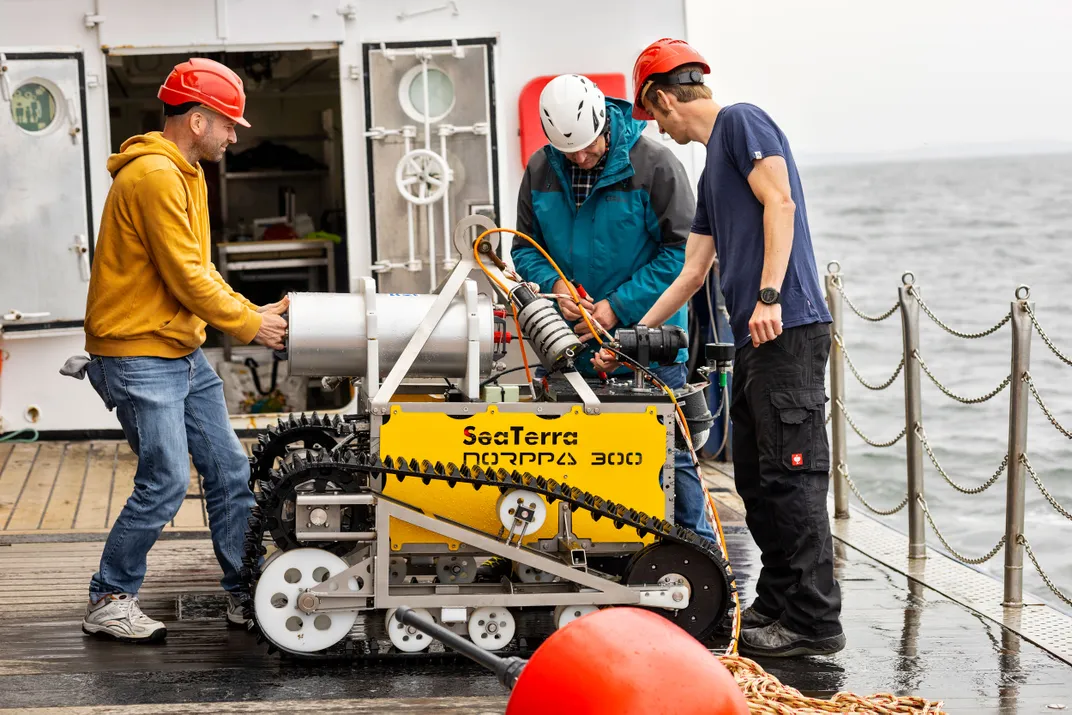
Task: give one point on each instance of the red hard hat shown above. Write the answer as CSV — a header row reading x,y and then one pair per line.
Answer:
x,y
208,82
660,57
624,661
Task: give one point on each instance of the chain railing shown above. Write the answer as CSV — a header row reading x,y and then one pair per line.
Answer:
x,y
1046,338
1015,464
870,318
968,336
1045,410
852,485
1022,540
938,467
1042,488
949,393
864,437
860,378
941,537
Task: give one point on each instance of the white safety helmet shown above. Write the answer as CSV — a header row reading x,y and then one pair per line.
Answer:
x,y
573,112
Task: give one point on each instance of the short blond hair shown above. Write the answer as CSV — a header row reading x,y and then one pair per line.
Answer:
x,y
681,92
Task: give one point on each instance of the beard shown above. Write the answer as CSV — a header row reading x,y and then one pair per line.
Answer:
x,y
211,150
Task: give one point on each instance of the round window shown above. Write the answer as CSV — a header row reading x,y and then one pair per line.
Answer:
x,y
411,93
33,106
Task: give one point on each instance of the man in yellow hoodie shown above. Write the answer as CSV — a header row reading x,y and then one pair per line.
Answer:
x,y
152,291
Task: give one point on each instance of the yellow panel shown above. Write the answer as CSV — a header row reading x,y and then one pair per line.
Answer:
x,y
617,456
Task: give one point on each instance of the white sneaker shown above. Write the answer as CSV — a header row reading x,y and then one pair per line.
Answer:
x,y
235,613
119,617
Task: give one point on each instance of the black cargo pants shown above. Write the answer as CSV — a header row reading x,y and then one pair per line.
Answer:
x,y
781,463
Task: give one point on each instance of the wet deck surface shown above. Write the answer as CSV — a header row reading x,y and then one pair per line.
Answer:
x,y
902,638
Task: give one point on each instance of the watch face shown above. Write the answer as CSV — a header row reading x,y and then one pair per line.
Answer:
x,y
768,295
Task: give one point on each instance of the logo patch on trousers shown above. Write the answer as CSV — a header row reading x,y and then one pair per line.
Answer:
x,y
798,460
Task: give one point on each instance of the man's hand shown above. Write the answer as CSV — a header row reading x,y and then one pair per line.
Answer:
x,y
605,361
765,324
602,314
277,308
273,330
566,305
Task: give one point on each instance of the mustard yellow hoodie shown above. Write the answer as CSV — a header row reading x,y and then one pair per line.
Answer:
x,y
153,287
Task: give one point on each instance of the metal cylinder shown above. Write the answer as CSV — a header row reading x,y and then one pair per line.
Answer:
x,y
837,393
917,536
328,334
547,331
1014,495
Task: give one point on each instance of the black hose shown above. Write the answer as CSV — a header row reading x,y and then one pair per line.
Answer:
x,y
497,375
507,670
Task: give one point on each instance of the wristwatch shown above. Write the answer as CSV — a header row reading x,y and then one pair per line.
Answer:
x,y
769,296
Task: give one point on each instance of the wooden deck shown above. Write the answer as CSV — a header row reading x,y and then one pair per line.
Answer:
x,y
77,488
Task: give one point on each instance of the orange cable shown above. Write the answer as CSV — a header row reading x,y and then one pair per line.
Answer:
x,y
506,292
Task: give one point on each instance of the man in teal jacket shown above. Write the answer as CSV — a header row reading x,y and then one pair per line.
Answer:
x,y
613,209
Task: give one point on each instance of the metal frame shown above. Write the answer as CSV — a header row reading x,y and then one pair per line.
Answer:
x,y
592,589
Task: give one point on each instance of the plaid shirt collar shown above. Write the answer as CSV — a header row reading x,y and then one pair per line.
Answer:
x,y
584,179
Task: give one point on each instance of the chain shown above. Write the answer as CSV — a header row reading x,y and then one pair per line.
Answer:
x,y
766,695
951,331
963,490
1038,482
950,549
865,383
1045,338
852,485
1021,539
865,438
865,316
965,400
1049,415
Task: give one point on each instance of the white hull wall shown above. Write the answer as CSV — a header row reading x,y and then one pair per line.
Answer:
x,y
552,37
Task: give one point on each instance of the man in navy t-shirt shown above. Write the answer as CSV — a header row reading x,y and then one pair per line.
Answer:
x,y
751,214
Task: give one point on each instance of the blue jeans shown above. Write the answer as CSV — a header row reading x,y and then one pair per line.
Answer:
x,y
690,496
169,409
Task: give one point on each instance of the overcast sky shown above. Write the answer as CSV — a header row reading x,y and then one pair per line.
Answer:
x,y
912,77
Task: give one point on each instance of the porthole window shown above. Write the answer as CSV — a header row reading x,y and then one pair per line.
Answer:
x,y
440,94
33,107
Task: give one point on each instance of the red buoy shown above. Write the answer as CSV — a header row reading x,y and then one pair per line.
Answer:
x,y
624,661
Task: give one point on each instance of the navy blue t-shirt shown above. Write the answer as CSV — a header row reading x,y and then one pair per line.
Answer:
x,y
728,210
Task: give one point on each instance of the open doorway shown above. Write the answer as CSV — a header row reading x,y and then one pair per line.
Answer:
x,y
276,201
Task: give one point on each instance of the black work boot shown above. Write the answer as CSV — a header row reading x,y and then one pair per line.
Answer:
x,y
777,641
750,618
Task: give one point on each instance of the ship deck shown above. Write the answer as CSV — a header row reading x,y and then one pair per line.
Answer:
x,y
911,630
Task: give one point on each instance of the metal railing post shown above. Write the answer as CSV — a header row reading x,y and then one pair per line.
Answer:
x,y
1014,496
917,537
837,392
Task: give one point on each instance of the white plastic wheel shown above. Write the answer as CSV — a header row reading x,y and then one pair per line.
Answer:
x,y
456,569
492,627
407,638
565,615
275,602
422,176
516,498
528,574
